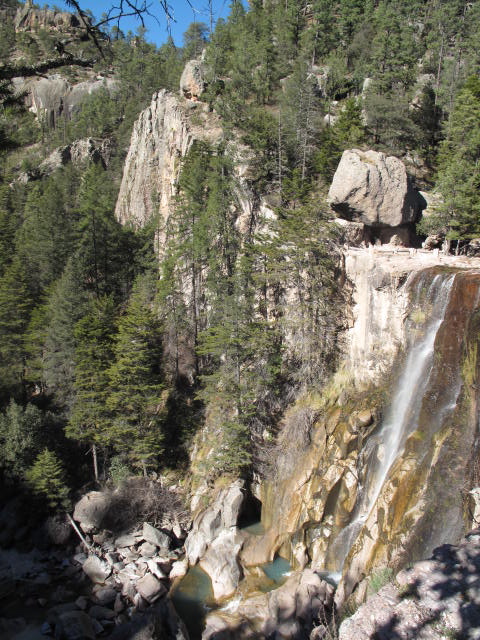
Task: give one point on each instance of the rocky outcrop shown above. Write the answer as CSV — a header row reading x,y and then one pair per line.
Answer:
x,y
434,599
77,153
29,18
221,515
221,564
374,189
289,612
161,137
215,542
52,97
192,81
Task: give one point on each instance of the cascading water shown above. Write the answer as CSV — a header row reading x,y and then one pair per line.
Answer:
x,y
402,416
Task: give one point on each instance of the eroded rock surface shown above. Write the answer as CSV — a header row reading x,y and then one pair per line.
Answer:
x,y
220,516
53,97
373,188
289,612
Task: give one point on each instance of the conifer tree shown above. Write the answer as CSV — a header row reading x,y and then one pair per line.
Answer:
x,y
15,308
135,397
21,438
458,177
94,336
66,305
47,479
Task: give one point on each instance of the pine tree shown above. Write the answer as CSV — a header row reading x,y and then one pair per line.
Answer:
x,y
47,479
102,243
46,239
21,438
15,308
66,305
94,336
458,177
135,397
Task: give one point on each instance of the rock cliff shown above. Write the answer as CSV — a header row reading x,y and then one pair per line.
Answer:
x,y
52,97
161,137
29,18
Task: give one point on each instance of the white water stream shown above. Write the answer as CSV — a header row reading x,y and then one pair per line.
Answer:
x,y
402,416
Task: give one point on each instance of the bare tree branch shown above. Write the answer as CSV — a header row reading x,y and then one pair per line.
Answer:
x,y
10,71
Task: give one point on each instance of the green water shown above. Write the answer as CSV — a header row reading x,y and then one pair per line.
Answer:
x,y
256,529
192,599
277,570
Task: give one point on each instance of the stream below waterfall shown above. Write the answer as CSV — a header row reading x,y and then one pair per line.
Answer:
x,y
193,596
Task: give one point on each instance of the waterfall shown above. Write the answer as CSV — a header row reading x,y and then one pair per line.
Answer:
x,y
401,419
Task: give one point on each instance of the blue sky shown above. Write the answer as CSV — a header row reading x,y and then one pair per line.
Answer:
x,y
181,10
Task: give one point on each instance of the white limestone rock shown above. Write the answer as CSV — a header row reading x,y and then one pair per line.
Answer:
x,y
220,563
97,570
154,536
150,588
222,514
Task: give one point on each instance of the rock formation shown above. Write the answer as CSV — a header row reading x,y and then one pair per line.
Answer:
x,y
374,189
312,510
161,137
52,97
192,81
214,540
29,18
78,153
289,612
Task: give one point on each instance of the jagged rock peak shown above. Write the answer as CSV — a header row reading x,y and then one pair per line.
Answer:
x,y
161,136
373,188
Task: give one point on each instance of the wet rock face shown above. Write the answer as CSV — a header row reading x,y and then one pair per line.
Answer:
x,y
373,188
435,599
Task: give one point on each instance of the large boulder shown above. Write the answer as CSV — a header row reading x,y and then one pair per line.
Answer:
x,y
192,81
155,536
90,510
373,188
220,562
